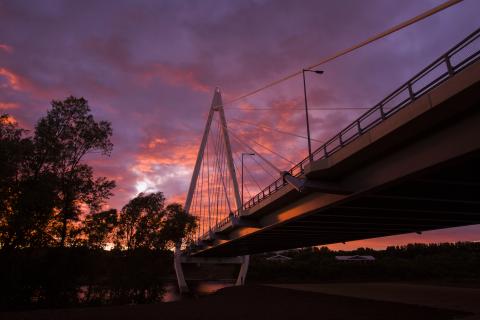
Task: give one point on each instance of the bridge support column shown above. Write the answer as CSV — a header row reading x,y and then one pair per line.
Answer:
x,y
177,264
242,274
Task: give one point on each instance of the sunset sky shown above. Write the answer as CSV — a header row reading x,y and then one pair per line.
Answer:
x,y
150,68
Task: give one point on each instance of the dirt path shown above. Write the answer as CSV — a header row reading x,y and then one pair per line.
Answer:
x,y
252,302
456,298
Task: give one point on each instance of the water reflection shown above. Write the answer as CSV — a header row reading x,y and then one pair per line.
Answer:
x,y
109,295
197,288
97,295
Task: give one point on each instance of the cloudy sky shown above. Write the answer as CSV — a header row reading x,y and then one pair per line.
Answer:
x,y
150,68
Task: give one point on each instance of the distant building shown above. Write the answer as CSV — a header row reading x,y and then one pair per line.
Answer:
x,y
278,257
355,258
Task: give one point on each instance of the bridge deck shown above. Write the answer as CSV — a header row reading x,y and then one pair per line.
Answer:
x,y
445,197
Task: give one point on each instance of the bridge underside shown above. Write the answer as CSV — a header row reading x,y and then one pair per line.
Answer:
x,y
443,197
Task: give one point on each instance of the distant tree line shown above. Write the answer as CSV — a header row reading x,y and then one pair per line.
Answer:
x,y
458,262
49,196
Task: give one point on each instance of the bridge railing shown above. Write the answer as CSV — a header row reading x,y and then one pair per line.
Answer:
x,y
463,54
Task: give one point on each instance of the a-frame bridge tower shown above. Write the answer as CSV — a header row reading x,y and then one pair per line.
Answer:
x,y
224,186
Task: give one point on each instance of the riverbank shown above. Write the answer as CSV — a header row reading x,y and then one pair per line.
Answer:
x,y
252,302
453,296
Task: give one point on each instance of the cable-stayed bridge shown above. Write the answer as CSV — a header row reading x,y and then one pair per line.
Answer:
x,y
408,164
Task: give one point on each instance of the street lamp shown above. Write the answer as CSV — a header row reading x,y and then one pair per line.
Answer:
x,y
310,156
244,154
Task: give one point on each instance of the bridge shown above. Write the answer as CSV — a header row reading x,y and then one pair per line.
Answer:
x,y
408,164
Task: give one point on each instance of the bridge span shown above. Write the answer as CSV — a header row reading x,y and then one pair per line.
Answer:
x,y
407,165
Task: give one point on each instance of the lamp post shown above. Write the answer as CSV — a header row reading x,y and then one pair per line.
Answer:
x,y
310,156
244,154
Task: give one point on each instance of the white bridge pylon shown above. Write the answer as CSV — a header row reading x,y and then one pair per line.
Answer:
x,y
220,189
217,106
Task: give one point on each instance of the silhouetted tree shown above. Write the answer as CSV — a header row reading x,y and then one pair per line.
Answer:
x,y
32,212
99,227
26,201
177,225
13,146
13,149
10,154
146,223
62,138
140,222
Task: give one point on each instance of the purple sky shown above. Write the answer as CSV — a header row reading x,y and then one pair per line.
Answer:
x,y
150,67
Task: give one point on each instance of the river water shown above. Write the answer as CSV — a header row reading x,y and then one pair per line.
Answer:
x,y
91,295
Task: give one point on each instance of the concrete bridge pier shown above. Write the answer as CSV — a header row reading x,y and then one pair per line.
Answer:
x,y
242,274
177,265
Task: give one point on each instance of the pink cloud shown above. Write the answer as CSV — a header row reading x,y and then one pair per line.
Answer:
x,y
162,151
179,198
156,141
175,76
8,105
13,80
6,48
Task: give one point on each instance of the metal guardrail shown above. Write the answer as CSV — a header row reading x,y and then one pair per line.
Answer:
x,y
463,54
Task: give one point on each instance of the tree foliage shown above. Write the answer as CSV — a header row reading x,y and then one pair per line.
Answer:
x,y
62,138
26,200
178,225
43,181
98,228
141,221
146,223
